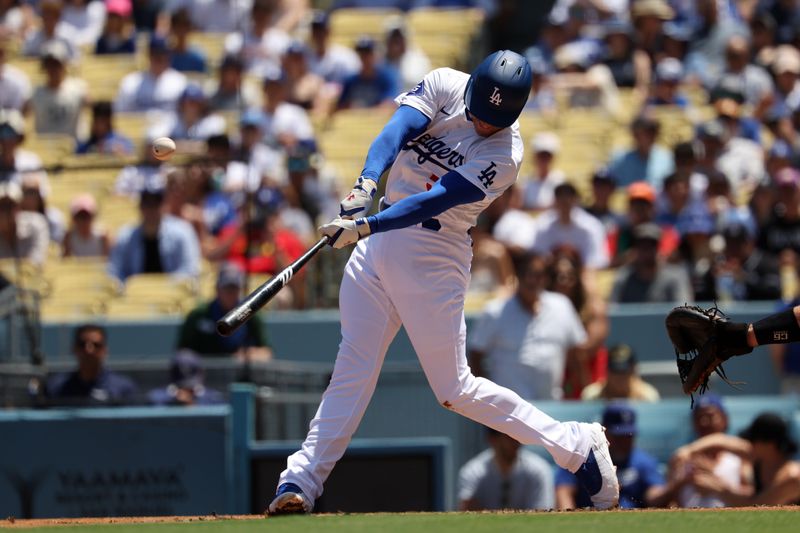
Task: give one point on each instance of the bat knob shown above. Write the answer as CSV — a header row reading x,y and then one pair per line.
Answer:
x,y
224,328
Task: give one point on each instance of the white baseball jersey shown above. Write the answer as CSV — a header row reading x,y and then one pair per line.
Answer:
x,y
450,143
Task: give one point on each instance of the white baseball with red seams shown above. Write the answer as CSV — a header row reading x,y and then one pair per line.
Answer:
x,y
418,277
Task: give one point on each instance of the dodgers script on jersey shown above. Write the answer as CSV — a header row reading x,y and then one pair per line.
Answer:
x,y
450,143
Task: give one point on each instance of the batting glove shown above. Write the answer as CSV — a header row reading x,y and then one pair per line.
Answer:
x,y
357,203
344,232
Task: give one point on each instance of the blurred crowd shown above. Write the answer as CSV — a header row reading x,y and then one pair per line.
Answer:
x,y
714,216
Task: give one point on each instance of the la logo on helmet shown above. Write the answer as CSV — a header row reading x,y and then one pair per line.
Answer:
x,y
495,98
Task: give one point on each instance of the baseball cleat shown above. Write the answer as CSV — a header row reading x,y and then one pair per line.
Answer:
x,y
598,474
289,500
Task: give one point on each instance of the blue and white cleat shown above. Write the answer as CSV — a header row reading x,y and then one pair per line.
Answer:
x,y
598,474
289,500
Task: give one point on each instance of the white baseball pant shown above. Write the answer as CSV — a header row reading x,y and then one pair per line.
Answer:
x,y
416,277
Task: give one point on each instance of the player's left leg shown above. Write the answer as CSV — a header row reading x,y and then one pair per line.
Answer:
x,y
436,284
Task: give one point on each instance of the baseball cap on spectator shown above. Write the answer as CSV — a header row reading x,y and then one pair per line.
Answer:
x,y
186,370
647,232
786,59
319,19
158,45
11,190
619,420
574,54
641,190
11,124
296,48
274,76
55,50
193,93
83,203
669,70
251,118
365,43
677,31
546,142
232,61
230,275
737,232
770,427
122,8
151,196
617,27
536,60
780,149
565,188
602,176
652,8
787,177
709,400
621,359
712,129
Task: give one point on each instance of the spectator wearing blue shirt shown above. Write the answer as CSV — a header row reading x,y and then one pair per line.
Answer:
x,y
118,36
640,482
102,137
186,384
185,58
375,85
159,244
647,161
91,384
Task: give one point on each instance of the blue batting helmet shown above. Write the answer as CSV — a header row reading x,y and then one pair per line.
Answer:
x,y
498,88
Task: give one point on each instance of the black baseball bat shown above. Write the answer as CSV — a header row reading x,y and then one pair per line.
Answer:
x,y
266,292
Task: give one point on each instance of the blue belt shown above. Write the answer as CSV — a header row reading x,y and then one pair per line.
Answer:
x,y
431,224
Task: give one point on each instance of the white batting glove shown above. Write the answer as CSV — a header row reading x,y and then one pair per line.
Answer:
x,y
344,232
357,203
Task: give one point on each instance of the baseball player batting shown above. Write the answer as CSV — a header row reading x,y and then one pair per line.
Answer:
x,y
453,146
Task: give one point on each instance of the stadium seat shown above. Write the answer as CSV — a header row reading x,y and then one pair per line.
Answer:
x,y
348,24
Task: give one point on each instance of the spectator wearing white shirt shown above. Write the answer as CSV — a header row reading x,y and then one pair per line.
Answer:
x,y
332,61
647,278
409,62
193,122
515,228
157,88
23,234
15,162
53,28
15,88
505,476
523,342
283,124
566,223
261,44
539,187
85,19
57,104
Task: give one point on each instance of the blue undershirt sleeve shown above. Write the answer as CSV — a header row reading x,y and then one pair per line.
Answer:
x,y
405,124
452,190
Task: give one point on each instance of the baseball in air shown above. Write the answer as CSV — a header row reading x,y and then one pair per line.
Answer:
x,y
163,148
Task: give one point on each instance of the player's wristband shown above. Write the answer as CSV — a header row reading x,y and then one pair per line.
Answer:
x,y
780,328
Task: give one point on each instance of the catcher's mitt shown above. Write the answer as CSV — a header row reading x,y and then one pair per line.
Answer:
x,y
703,339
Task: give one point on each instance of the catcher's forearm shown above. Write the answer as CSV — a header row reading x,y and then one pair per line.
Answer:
x,y
779,328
